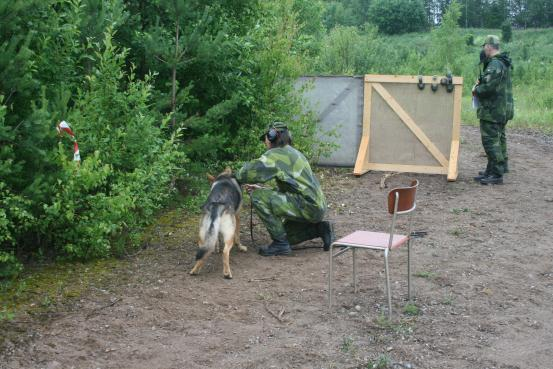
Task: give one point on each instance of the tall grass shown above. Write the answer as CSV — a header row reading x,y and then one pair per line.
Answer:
x,y
417,53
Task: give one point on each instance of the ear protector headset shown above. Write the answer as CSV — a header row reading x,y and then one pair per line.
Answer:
x,y
272,134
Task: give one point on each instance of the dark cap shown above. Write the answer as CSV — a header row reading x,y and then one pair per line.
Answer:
x,y
279,126
491,40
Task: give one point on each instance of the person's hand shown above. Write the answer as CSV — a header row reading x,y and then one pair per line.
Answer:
x,y
252,187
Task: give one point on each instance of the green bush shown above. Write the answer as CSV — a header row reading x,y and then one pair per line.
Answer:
x,y
126,170
341,54
15,218
9,265
350,51
448,45
54,206
394,17
278,61
506,31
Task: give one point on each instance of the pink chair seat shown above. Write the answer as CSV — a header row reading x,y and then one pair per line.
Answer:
x,y
373,240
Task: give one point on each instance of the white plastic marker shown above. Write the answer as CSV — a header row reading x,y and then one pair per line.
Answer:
x,y
475,102
63,126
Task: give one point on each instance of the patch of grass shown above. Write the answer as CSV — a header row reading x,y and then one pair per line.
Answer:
x,y
401,327
40,289
348,345
448,300
46,301
425,274
458,211
264,296
411,309
6,314
456,232
382,362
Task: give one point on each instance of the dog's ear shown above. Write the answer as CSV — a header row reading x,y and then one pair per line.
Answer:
x,y
210,178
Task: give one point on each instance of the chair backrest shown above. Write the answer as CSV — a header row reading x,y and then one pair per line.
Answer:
x,y
406,198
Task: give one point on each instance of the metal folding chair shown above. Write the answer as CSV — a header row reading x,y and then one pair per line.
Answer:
x,y
401,200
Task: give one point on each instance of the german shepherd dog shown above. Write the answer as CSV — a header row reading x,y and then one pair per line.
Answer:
x,y
220,215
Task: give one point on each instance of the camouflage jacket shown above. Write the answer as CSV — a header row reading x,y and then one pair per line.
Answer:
x,y
291,171
495,90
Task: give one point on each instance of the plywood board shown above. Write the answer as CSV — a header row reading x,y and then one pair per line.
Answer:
x,y
411,130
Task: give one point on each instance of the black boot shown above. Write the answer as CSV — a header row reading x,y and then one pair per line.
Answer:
x,y
326,232
492,179
481,175
279,246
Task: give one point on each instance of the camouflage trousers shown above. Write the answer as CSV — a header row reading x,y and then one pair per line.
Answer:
x,y
495,146
287,215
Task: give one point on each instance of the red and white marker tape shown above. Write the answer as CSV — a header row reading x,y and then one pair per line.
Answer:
x,y
63,126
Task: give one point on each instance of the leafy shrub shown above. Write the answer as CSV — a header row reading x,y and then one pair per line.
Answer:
x,y
14,209
126,170
95,208
336,14
9,265
14,219
350,51
447,43
506,31
340,55
469,40
398,16
278,62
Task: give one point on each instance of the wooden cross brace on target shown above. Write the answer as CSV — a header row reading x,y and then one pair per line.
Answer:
x,y
409,126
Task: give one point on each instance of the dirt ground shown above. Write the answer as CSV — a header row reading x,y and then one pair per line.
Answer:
x,y
483,283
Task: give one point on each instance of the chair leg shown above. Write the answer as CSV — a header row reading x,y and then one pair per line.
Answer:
x,y
388,290
330,277
354,270
409,269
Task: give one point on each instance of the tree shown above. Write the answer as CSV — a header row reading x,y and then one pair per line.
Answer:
x,y
398,16
447,42
340,56
337,14
49,61
506,31
172,43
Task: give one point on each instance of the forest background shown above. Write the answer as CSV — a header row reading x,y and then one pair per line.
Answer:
x,y
160,91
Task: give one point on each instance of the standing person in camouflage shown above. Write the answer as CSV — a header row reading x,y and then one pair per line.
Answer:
x,y
294,211
494,92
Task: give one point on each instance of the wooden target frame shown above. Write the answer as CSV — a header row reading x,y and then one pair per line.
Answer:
x,y
406,129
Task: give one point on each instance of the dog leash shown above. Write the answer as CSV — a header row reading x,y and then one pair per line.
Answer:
x,y
251,219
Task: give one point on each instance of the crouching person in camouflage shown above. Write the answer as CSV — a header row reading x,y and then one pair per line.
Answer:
x,y
294,211
495,95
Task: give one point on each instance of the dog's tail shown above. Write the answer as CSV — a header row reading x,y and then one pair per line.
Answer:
x,y
209,230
